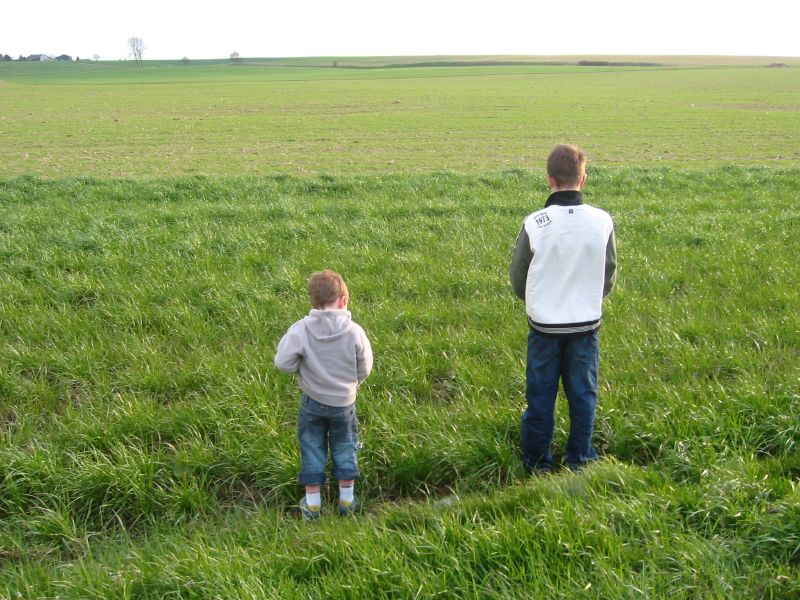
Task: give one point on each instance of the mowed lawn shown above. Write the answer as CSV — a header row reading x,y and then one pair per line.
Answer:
x,y
147,446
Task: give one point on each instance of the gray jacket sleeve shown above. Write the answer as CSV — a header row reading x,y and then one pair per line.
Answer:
x,y
520,261
611,265
290,351
363,357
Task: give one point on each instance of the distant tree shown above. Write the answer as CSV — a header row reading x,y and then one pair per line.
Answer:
x,y
185,60
95,57
6,57
136,45
22,57
236,57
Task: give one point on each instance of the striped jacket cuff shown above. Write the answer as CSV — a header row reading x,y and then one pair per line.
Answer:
x,y
564,329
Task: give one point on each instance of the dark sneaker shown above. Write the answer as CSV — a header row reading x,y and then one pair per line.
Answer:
x,y
542,471
577,468
310,513
347,509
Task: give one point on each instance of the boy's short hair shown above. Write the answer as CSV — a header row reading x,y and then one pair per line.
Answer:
x,y
566,164
325,287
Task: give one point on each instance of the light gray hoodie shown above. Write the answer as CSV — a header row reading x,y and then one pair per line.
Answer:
x,y
330,353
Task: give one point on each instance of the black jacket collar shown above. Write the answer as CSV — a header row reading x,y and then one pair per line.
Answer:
x,y
565,198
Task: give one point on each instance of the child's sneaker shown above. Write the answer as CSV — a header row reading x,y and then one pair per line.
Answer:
x,y
346,508
310,513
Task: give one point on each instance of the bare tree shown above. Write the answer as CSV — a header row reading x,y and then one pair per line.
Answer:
x,y
136,45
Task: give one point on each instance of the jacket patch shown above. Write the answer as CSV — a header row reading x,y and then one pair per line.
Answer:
x,y
542,220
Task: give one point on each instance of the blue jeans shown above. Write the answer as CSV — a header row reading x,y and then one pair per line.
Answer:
x,y
575,362
321,427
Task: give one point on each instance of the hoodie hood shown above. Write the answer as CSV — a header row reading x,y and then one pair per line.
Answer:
x,y
328,324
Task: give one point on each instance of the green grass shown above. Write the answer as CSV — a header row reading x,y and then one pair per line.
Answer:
x,y
158,224
147,446
213,118
601,535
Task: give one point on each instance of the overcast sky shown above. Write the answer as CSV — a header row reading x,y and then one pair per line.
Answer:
x,y
172,29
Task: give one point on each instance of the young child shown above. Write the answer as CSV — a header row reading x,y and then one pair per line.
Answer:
x,y
331,356
564,264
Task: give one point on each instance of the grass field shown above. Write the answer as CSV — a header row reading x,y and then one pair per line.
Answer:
x,y
116,120
147,446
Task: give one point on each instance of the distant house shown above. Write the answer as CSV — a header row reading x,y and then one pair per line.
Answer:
x,y
64,57
41,57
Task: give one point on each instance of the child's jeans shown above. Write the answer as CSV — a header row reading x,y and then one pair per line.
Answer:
x,y
574,361
320,427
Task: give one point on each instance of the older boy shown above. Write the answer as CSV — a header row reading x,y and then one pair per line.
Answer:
x,y
332,357
563,265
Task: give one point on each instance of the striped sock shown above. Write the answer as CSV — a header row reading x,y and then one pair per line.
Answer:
x,y
346,494
313,501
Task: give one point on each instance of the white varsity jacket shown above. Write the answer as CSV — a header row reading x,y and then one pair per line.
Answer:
x,y
564,264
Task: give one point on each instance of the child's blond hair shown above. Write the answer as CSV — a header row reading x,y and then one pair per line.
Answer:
x,y
325,287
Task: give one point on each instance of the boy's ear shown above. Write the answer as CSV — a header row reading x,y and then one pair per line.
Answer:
x,y
341,302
